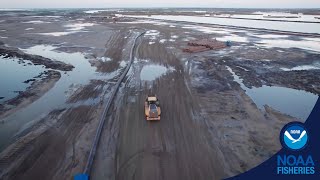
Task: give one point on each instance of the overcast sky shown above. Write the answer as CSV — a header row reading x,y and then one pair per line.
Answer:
x,y
162,3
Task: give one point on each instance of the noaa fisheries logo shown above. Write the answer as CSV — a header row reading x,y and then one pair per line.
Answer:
x,y
294,136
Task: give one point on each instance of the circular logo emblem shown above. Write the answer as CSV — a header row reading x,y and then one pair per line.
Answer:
x,y
294,136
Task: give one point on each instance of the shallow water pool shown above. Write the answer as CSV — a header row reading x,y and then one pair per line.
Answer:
x,y
296,103
152,72
13,76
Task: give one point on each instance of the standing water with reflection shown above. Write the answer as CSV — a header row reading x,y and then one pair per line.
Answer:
x,y
296,103
14,73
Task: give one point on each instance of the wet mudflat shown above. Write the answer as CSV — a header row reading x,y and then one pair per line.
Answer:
x,y
281,26
17,81
296,103
221,114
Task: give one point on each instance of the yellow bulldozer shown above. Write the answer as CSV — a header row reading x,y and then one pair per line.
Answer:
x,y
152,108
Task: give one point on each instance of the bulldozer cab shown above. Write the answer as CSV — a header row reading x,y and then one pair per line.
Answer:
x,y
153,106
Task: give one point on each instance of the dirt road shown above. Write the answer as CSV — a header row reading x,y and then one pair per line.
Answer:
x,y
209,129
173,148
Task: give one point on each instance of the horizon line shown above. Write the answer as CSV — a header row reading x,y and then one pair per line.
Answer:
x,y
134,7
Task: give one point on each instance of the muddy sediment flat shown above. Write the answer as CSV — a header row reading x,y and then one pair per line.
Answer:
x,y
32,93
37,60
215,123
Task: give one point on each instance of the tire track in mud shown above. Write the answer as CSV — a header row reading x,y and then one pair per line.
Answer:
x,y
93,150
